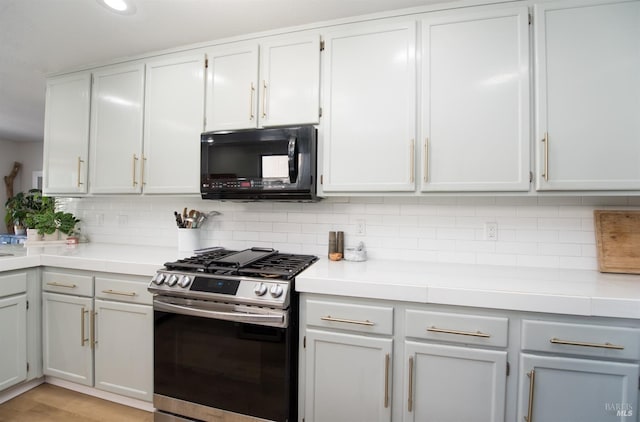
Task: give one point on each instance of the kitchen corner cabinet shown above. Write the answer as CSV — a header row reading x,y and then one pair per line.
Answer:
x,y
475,100
369,100
116,129
272,83
174,119
110,336
588,95
348,362
66,134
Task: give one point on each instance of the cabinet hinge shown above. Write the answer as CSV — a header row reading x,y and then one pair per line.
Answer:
x,y
304,342
320,112
27,304
508,369
206,63
530,18
321,179
27,366
530,176
321,45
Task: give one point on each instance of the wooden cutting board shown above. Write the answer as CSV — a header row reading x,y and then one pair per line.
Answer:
x,y
618,241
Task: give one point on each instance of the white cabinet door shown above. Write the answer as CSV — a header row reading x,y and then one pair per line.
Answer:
x,y
369,92
116,129
454,384
67,335
290,81
13,340
124,349
232,87
475,100
174,119
348,377
66,134
577,390
588,95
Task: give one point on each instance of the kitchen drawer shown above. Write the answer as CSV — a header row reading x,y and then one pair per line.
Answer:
x,y
12,284
457,328
123,291
73,284
581,339
352,317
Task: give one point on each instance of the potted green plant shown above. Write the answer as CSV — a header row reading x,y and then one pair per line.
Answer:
x,y
46,225
67,223
17,210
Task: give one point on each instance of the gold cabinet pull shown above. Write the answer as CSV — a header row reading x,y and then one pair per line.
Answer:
x,y
93,330
347,321
532,380
82,339
387,358
412,163
80,161
425,165
252,94
264,98
545,173
135,162
458,332
56,284
410,400
607,345
144,161
115,292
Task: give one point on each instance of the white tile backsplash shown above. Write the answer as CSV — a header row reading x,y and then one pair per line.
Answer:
x,y
543,231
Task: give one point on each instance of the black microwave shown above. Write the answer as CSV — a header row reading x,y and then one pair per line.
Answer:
x,y
259,164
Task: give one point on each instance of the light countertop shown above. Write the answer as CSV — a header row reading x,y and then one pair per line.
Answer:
x,y
574,292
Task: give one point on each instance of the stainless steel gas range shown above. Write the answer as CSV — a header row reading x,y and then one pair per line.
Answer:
x,y
225,336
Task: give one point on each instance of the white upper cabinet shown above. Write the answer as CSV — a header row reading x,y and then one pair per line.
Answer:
x,y
369,98
174,119
66,134
475,100
116,129
588,95
273,83
232,87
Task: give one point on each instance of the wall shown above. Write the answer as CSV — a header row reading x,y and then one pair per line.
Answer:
x,y
550,231
29,154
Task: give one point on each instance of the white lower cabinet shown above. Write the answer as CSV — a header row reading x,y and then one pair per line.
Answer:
x,y
454,384
67,337
106,342
13,344
124,348
347,377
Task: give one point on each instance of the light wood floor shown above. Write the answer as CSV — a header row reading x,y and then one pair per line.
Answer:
x,y
50,403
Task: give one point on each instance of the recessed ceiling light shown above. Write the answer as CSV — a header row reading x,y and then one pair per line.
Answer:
x,y
123,7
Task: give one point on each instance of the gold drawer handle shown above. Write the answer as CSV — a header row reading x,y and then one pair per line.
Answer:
x,y
115,292
387,359
583,344
410,399
347,321
56,284
82,339
460,333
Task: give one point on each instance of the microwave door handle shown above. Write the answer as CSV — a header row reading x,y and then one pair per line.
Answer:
x,y
292,153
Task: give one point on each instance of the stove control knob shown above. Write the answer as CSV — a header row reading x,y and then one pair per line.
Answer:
x,y
276,290
260,289
158,279
185,281
173,279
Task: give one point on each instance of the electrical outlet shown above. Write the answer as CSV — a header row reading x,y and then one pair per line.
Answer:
x,y
123,220
491,231
99,219
361,227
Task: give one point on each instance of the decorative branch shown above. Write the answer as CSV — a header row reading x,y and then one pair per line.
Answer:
x,y
8,182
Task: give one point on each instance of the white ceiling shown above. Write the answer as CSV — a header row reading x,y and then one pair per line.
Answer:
x,y
40,37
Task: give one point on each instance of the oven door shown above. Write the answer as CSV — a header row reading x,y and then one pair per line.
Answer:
x,y
223,357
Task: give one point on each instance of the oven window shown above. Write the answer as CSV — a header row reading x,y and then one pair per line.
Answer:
x,y
241,368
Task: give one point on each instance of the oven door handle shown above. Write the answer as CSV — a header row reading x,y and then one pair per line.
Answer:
x,y
265,319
